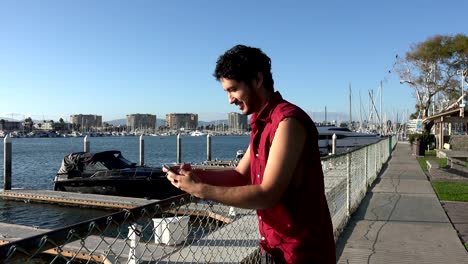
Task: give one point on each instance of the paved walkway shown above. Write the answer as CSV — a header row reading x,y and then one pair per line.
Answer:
x,y
401,220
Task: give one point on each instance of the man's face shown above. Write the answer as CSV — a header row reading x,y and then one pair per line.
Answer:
x,y
240,94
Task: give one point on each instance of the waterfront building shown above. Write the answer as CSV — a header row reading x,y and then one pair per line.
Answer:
x,y
141,122
85,122
61,126
182,121
51,126
45,126
237,122
6,125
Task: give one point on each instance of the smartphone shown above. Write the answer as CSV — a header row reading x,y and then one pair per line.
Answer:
x,y
168,168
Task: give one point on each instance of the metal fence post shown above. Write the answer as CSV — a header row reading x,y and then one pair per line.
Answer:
x,y
334,144
7,146
179,149
86,144
389,145
134,234
208,147
377,158
366,170
348,184
142,151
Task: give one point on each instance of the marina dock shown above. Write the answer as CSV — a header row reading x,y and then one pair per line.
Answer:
x,y
74,199
228,241
233,243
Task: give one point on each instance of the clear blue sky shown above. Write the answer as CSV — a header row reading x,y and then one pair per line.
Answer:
x,y
114,58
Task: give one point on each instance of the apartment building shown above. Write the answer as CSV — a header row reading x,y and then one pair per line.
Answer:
x,y
141,122
86,122
237,122
182,121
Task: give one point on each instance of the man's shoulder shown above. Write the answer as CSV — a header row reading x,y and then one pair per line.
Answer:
x,y
286,109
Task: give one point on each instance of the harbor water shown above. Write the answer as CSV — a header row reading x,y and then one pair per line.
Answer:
x,y
35,161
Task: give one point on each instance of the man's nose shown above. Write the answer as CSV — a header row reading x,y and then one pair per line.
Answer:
x,y
231,99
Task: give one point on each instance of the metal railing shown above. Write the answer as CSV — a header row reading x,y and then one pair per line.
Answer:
x,y
184,229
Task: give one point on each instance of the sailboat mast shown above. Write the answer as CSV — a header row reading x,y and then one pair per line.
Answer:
x,y
350,126
369,113
381,114
360,112
325,115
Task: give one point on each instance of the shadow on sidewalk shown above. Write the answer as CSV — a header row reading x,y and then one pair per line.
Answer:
x,y
359,214
348,231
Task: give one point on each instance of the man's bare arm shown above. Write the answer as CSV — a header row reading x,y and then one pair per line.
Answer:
x,y
283,157
226,176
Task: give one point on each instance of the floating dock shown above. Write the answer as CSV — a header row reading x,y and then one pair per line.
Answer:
x,y
75,199
218,246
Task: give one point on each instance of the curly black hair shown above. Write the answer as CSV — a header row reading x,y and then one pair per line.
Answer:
x,y
243,63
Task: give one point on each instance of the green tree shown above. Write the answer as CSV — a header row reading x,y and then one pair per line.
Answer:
x,y
430,68
28,124
106,126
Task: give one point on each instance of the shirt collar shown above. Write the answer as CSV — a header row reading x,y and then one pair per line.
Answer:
x,y
264,115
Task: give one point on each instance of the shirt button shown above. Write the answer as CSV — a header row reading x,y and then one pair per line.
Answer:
x,y
258,175
263,238
256,155
259,218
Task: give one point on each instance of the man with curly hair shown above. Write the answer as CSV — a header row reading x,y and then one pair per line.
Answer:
x,y
280,174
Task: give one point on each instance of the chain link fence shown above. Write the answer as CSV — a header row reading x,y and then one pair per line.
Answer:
x,y
348,177
184,229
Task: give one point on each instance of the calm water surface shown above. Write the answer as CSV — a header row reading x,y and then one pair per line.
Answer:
x,y
36,161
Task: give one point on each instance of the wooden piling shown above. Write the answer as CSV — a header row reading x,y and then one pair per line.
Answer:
x,y
142,151
334,144
179,149
86,144
7,143
208,147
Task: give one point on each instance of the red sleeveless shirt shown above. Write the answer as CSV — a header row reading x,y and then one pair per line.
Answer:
x,y
298,229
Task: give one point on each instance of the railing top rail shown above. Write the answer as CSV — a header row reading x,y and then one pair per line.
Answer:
x,y
353,150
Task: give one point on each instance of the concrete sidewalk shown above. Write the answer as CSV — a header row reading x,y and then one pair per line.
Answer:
x,y
401,220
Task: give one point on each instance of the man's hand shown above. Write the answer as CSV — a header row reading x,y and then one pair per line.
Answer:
x,y
186,181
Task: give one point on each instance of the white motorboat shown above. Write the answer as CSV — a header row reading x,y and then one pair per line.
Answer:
x,y
346,140
197,133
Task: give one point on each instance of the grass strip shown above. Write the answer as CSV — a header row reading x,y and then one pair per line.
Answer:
x,y
422,162
451,191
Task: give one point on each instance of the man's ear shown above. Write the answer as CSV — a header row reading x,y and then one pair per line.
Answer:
x,y
258,82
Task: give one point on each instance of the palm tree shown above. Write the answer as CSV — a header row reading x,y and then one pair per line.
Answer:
x,y
28,124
